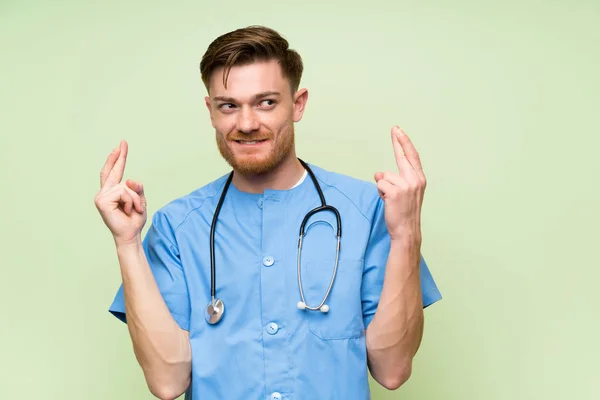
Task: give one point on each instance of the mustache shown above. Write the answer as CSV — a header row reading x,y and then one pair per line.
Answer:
x,y
249,138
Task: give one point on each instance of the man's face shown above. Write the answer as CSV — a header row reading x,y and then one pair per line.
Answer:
x,y
254,117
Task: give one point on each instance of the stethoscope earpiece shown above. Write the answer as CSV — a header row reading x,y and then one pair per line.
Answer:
x,y
302,306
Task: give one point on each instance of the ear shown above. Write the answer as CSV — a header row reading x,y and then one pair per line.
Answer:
x,y
300,99
210,110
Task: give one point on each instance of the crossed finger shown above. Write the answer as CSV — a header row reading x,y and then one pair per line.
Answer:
x,y
108,165
114,167
406,153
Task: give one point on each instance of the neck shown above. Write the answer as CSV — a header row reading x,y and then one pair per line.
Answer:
x,y
283,177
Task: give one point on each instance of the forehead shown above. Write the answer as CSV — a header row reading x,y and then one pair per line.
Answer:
x,y
244,81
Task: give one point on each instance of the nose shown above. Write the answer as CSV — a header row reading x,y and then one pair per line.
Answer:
x,y
247,121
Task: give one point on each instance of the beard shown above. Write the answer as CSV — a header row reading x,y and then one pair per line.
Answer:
x,y
257,164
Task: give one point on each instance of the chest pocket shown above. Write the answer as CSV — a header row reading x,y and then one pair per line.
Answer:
x,y
344,318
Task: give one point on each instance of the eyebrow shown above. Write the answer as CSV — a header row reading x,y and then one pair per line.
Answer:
x,y
254,98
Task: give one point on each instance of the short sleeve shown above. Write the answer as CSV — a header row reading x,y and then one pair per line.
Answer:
x,y
376,256
163,257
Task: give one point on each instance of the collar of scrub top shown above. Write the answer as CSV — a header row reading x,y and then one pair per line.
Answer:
x,y
301,179
216,307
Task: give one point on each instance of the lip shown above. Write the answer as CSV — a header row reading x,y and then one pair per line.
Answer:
x,y
255,143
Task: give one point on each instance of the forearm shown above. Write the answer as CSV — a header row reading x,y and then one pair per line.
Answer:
x,y
394,334
161,347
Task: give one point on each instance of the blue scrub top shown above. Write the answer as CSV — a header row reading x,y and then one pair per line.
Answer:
x,y
265,347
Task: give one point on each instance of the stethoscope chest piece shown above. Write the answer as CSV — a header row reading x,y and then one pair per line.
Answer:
x,y
214,311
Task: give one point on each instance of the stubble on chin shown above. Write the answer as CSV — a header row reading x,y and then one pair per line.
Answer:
x,y
253,165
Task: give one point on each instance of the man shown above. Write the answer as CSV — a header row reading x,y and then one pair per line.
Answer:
x,y
272,330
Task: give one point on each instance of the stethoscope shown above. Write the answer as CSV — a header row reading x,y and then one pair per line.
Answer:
x,y
216,307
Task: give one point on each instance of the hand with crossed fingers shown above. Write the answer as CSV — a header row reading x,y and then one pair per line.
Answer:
x,y
403,191
122,205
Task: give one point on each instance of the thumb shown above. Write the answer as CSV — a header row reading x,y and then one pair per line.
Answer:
x,y
137,187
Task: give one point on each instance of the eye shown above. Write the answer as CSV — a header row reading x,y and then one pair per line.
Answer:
x,y
226,106
269,103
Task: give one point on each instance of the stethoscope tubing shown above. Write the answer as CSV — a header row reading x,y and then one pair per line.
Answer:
x,y
216,306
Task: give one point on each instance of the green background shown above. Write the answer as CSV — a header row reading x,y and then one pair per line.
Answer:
x,y
500,98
